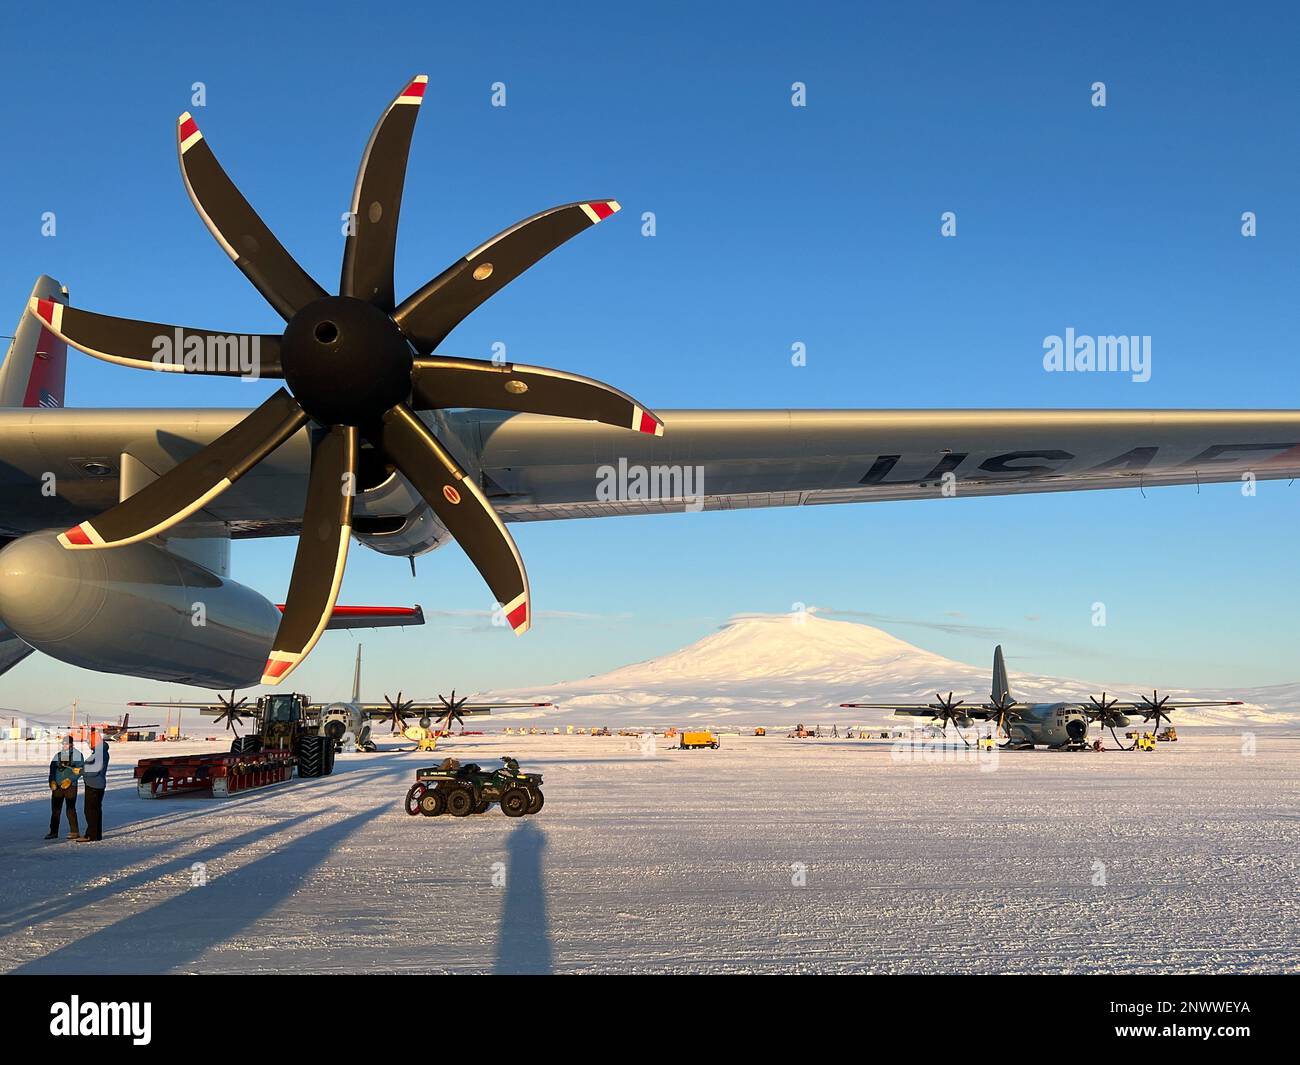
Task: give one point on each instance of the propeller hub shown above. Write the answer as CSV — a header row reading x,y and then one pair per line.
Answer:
x,y
345,361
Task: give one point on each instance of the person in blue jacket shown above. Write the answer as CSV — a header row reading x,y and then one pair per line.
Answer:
x,y
96,776
65,772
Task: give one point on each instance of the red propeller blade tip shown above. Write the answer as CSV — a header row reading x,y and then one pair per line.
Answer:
x,y
645,422
275,669
414,93
517,614
82,535
599,210
48,311
187,130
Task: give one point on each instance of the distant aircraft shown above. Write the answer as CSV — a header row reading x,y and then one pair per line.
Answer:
x,y
1025,725
353,717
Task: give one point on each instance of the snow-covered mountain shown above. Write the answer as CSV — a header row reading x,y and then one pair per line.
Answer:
x,y
776,669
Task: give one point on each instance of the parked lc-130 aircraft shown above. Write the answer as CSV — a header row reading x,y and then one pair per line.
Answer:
x,y
1056,725
434,447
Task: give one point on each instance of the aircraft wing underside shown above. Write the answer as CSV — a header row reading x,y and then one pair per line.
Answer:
x,y
534,468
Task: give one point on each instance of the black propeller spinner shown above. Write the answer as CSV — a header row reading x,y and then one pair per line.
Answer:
x,y
357,365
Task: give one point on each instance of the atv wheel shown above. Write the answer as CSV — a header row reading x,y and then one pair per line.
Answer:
x,y
460,802
413,797
515,802
538,801
329,752
433,803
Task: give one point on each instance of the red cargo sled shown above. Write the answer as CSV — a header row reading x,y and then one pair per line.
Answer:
x,y
220,774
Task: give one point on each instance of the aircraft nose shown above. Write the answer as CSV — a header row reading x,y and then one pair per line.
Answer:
x,y
1076,728
44,594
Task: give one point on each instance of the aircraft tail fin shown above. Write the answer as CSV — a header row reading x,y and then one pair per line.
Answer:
x,y
1001,689
35,367
356,678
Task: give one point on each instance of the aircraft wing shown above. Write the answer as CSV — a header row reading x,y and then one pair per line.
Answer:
x,y
534,468
1189,704
384,710
905,709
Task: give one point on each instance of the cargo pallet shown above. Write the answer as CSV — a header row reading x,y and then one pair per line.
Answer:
x,y
221,774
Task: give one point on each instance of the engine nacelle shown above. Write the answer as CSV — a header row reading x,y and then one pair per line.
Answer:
x,y
137,610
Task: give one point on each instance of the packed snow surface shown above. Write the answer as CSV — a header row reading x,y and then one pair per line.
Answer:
x,y
768,854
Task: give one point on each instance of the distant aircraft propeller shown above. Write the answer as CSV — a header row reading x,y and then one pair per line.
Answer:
x,y
231,711
1104,710
451,709
946,710
398,711
1154,707
1004,710
357,367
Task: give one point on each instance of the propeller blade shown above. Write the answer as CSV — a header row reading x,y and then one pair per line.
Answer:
x,y
439,382
194,483
377,200
153,346
241,233
429,314
461,506
322,550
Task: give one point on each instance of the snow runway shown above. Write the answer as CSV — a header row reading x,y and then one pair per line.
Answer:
x,y
768,854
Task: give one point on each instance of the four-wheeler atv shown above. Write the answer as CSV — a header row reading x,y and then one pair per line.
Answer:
x,y
461,790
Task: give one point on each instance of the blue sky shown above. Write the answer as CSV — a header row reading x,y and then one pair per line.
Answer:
x,y
775,224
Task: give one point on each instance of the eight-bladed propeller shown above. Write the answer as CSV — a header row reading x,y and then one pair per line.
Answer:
x,y
1001,710
231,711
398,711
357,366
451,709
946,710
1103,710
1154,707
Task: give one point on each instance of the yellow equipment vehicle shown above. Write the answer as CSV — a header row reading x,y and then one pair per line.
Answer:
x,y
1169,735
425,739
1144,741
694,740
